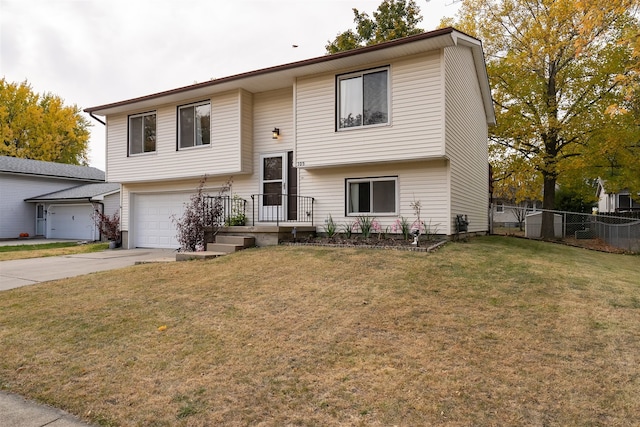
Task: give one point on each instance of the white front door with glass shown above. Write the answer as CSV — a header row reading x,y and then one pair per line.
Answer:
x,y
41,221
273,187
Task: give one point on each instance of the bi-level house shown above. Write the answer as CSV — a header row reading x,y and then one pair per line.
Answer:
x,y
364,132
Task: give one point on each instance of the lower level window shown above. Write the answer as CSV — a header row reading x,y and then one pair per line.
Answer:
x,y
372,196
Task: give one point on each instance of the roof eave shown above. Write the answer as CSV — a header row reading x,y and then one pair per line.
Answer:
x,y
427,41
44,175
49,200
299,68
481,70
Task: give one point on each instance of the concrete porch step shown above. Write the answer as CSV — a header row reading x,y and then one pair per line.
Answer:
x,y
226,248
244,241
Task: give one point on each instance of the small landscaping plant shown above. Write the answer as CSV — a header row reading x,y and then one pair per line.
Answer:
x,y
402,225
109,225
348,228
238,217
331,228
198,216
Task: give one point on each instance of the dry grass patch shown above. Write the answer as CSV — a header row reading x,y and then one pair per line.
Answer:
x,y
495,331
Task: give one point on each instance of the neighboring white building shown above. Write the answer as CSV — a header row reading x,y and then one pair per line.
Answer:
x,y
622,201
52,200
508,213
363,132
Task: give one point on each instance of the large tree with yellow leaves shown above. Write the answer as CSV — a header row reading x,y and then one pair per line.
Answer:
x,y
561,73
41,127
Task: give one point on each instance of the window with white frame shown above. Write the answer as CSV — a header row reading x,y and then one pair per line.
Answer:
x,y
142,133
377,196
500,207
363,98
194,125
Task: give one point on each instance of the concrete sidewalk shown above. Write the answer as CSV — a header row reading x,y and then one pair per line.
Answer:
x,y
16,411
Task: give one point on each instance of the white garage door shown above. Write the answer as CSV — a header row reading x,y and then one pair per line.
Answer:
x,y
152,224
71,222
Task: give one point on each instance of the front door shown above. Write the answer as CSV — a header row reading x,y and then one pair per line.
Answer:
x,y
273,187
40,220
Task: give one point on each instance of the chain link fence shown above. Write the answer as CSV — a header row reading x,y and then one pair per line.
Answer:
x,y
620,230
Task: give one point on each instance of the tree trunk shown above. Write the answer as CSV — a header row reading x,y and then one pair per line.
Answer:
x,y
548,204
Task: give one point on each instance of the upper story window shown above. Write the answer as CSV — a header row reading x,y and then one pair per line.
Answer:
x,y
142,133
372,196
194,125
363,99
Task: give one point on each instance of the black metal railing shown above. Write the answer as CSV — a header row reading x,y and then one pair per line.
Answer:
x,y
225,210
282,208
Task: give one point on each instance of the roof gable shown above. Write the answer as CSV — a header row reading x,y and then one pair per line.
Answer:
x,y
16,165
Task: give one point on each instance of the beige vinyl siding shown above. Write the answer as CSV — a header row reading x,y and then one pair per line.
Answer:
x,y
111,204
272,109
266,110
223,156
246,129
467,143
417,181
416,129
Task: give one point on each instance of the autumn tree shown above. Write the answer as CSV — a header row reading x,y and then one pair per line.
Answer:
x,y
393,19
556,68
41,127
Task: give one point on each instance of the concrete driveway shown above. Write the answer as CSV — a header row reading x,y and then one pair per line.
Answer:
x,y
22,272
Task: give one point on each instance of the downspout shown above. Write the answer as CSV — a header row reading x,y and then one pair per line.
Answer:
x,y
96,118
100,203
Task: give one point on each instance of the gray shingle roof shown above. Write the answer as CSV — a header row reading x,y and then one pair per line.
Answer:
x,y
58,170
81,192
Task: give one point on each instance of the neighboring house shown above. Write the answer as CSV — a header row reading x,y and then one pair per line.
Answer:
x,y
508,213
52,200
622,201
363,132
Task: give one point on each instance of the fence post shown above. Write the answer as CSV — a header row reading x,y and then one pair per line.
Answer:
x,y
253,210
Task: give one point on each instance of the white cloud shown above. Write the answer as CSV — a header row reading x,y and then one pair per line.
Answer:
x,y
93,52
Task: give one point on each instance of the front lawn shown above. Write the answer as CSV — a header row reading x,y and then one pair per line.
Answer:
x,y
494,331
48,249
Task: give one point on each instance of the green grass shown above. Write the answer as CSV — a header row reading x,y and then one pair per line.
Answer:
x,y
26,247
494,331
48,249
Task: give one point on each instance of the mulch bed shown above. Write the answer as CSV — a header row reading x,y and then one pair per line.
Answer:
x,y
371,243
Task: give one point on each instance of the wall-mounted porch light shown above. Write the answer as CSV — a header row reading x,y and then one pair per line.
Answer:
x,y
275,133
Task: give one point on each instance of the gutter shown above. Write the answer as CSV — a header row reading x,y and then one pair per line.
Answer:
x,y
96,118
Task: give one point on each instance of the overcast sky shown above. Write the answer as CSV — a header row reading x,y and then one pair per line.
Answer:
x,y
94,52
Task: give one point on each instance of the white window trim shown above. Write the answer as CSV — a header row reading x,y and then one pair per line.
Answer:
x,y
350,181
499,207
341,77
133,116
195,147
